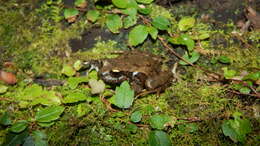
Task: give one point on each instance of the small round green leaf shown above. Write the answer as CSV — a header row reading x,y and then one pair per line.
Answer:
x,y
144,1
137,35
70,12
158,121
161,23
93,15
186,40
120,3
114,23
228,74
245,90
252,76
19,126
159,138
136,116
186,23
224,59
129,21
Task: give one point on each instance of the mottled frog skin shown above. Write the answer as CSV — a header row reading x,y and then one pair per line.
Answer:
x,y
142,69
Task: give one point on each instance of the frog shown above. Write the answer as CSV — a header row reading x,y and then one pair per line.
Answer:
x,y
143,70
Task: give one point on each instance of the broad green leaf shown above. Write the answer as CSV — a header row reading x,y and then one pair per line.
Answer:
x,y
5,119
47,98
70,12
75,97
130,11
159,138
224,59
161,23
144,1
132,4
40,138
73,82
153,32
252,76
136,116
185,39
19,126
114,23
120,3
236,129
137,35
186,23
158,121
79,2
49,114
192,59
68,70
34,94
228,74
124,96
3,89
245,90
93,15
129,21
15,139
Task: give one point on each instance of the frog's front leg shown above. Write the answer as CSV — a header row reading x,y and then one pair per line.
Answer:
x,y
112,78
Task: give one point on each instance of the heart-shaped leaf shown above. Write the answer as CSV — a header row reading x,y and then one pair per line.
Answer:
x,y
114,23
161,23
159,138
124,96
186,23
137,35
93,15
